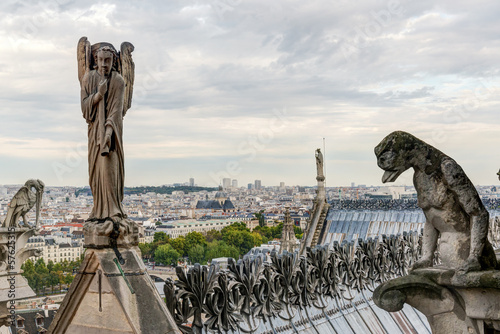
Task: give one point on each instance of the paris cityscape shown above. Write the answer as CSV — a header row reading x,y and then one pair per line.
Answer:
x,y
196,209
249,167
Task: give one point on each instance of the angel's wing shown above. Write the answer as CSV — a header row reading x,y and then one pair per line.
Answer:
x,y
127,70
83,56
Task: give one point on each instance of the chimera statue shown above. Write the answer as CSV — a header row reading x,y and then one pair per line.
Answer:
x,y
453,210
23,201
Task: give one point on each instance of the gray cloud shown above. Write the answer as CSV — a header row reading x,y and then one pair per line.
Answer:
x,y
210,78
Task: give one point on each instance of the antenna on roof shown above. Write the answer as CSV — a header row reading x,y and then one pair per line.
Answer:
x,y
324,159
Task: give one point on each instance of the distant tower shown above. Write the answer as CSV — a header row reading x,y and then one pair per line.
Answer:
x,y
234,184
191,182
288,240
258,184
226,183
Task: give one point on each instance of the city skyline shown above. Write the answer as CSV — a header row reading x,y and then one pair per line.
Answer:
x,y
248,91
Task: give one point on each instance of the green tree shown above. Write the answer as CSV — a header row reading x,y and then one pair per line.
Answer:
x,y
68,279
160,236
179,244
276,231
298,232
28,267
50,266
213,235
218,249
66,266
166,254
264,231
196,254
57,267
243,240
261,217
193,239
234,227
259,239
146,250
60,278
41,274
53,279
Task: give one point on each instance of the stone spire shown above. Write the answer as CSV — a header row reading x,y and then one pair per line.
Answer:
x,y
320,209
288,240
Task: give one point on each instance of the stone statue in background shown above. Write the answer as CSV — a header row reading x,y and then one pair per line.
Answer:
x,y
454,212
106,79
319,165
14,248
23,201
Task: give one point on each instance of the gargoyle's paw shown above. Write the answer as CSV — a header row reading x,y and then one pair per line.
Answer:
x,y
472,264
423,263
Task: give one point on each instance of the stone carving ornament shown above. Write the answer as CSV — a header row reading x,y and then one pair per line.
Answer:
x,y
251,291
106,79
13,251
452,207
23,201
460,295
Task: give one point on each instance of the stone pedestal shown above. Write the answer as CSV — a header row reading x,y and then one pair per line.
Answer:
x,y
468,304
97,234
107,297
13,286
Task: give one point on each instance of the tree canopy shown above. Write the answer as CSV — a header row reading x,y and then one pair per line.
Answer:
x,y
233,241
167,255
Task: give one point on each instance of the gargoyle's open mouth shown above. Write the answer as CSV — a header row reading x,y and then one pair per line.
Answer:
x,y
391,175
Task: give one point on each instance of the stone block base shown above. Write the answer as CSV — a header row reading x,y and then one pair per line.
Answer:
x,y
468,304
104,300
97,234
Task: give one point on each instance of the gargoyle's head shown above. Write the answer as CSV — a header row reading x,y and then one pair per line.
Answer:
x,y
394,154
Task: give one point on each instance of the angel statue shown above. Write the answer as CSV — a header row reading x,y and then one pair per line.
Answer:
x,y
106,79
23,201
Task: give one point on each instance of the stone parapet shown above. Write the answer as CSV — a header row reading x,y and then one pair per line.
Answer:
x,y
452,303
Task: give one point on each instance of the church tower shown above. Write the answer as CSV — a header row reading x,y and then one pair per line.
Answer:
x,y
288,240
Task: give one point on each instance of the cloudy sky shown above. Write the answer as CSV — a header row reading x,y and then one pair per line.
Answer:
x,y
249,89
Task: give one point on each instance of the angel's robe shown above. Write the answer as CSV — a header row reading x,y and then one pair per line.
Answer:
x,y
106,173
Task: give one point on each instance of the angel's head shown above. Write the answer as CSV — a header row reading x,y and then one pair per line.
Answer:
x,y
105,58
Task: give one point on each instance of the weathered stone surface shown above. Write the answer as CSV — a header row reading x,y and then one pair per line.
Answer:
x,y
12,285
288,240
251,293
466,306
319,211
13,251
462,294
135,307
106,80
112,293
454,211
98,234
23,201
